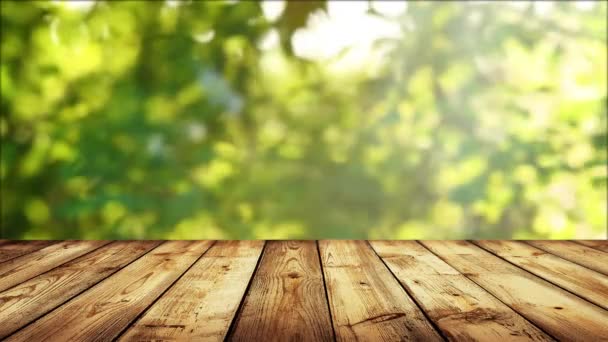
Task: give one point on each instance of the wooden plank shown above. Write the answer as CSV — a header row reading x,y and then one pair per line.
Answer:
x,y
584,282
577,253
106,309
459,307
20,269
31,299
287,299
367,303
551,308
601,245
202,304
13,249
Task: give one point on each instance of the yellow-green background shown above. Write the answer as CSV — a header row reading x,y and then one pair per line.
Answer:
x,y
239,120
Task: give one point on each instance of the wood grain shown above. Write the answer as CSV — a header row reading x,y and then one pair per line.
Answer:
x,y
349,290
103,311
459,307
584,282
577,253
202,304
555,310
366,301
12,249
17,270
286,300
601,245
33,298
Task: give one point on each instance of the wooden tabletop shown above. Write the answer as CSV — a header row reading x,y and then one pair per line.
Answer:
x,y
303,290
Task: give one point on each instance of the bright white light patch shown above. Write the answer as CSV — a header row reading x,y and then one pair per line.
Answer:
x,y
173,3
345,25
273,9
585,5
270,40
543,8
81,5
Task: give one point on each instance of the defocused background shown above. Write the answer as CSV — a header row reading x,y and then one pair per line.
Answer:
x,y
364,119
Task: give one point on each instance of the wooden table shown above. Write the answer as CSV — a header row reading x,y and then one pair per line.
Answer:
x,y
303,290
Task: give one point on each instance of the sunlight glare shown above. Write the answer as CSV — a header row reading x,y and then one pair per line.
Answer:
x,y
346,28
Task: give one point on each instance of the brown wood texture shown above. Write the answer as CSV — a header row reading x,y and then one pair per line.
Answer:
x,y
601,245
101,313
202,304
367,302
12,249
35,297
577,253
461,309
286,300
551,308
582,281
303,290
17,270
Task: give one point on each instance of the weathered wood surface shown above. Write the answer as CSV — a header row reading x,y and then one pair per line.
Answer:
x,y
287,297
17,270
584,282
37,296
101,313
462,309
202,304
13,249
367,302
601,245
556,311
577,253
303,290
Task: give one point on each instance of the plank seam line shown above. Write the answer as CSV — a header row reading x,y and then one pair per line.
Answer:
x,y
561,257
412,297
149,307
239,310
539,277
79,293
331,318
24,254
57,266
492,294
594,247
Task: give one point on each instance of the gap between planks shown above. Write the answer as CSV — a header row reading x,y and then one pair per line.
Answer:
x,y
578,280
123,297
27,301
433,322
327,296
554,310
202,303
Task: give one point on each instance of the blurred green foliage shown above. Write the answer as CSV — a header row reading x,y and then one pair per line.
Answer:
x,y
210,119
